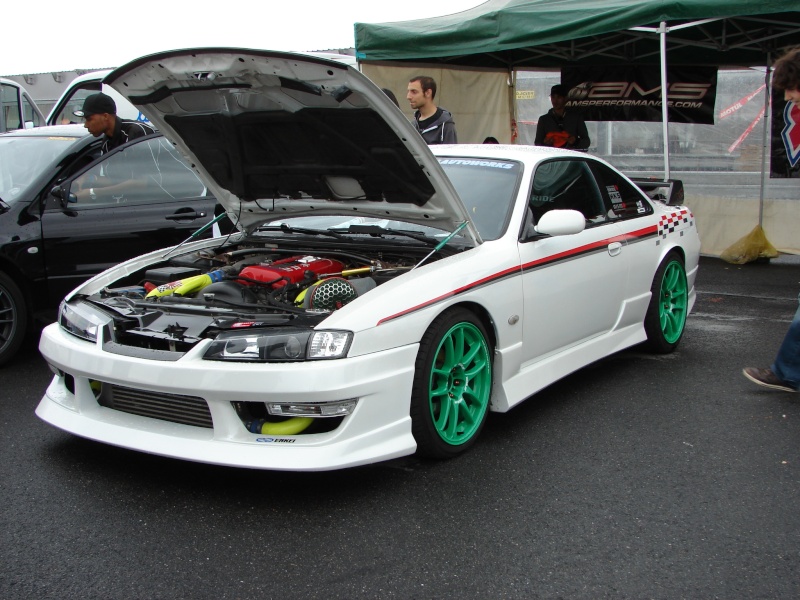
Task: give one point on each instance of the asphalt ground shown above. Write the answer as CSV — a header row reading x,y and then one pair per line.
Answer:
x,y
637,477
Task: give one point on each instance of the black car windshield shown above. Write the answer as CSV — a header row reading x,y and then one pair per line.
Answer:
x,y
487,188
24,158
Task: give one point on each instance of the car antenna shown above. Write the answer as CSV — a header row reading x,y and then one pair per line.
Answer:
x,y
195,234
441,244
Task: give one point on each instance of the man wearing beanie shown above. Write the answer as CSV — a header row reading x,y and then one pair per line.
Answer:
x,y
100,113
560,128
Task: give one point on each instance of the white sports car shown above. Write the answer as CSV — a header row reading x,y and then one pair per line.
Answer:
x,y
379,298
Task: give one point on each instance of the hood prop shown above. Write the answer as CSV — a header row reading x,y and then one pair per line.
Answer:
x,y
195,234
441,244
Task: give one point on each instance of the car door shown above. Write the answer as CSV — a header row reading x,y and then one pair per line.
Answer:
x,y
17,109
633,214
573,285
139,198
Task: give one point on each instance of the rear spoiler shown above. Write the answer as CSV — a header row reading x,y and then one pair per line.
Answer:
x,y
669,191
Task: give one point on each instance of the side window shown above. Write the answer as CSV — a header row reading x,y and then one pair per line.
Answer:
x,y
146,172
75,102
622,199
566,184
30,114
9,105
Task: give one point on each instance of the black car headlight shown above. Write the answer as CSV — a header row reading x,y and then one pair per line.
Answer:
x,y
82,320
279,345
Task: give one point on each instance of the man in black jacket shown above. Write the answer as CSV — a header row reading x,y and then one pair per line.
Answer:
x,y
100,114
435,125
560,128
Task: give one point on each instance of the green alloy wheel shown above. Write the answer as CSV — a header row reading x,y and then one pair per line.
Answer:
x,y
666,314
452,385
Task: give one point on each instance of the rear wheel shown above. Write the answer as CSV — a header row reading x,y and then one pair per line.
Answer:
x,y
452,385
669,302
13,318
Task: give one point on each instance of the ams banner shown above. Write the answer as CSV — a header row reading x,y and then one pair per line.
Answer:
x,y
634,93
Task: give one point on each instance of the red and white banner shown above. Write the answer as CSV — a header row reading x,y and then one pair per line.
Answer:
x,y
785,156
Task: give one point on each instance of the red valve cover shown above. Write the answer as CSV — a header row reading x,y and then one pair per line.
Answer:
x,y
289,270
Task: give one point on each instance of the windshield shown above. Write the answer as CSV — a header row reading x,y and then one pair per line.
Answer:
x,y
23,158
487,188
340,225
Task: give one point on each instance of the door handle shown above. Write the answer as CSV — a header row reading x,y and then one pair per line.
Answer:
x,y
614,248
185,215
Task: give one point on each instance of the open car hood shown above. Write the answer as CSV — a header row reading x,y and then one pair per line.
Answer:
x,y
278,135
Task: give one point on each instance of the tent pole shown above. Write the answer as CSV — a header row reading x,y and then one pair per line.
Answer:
x,y
662,32
765,138
512,103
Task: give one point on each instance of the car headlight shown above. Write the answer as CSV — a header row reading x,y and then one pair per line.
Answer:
x,y
82,320
279,345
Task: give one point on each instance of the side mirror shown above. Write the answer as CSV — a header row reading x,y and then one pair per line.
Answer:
x,y
561,222
63,196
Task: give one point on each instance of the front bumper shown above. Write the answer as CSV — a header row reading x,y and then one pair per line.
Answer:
x,y
378,429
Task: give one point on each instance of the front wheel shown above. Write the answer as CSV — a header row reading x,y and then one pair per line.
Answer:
x,y
13,318
669,302
452,385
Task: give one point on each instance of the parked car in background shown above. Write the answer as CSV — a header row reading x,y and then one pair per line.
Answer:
x,y
84,85
17,108
67,214
382,297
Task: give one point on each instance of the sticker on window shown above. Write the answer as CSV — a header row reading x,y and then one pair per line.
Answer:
x,y
613,194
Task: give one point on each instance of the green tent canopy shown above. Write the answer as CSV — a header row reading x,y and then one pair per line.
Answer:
x,y
514,34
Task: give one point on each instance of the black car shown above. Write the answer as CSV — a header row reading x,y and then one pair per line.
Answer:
x,y
66,214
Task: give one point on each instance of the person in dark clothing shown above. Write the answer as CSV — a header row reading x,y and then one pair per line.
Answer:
x,y
118,177
560,128
435,124
784,373
391,96
100,114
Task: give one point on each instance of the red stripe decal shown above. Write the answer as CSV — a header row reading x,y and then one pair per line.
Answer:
x,y
623,238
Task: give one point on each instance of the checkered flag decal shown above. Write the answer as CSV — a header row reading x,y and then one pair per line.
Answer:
x,y
668,223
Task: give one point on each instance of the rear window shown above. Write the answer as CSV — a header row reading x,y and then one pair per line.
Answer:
x,y
623,199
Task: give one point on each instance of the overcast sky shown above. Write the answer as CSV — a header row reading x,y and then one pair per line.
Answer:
x,y
82,35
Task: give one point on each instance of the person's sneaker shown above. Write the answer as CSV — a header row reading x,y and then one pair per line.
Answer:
x,y
766,378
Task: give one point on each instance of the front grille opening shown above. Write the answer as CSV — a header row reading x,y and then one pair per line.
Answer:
x,y
149,341
253,413
175,408
69,383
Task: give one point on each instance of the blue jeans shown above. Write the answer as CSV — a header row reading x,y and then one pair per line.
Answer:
x,y
787,363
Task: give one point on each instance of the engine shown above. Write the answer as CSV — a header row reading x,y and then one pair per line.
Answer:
x,y
247,279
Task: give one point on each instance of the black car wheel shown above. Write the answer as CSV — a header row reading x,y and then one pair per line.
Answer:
x,y
13,318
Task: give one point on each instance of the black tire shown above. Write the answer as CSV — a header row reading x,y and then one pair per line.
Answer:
x,y
13,318
452,385
665,321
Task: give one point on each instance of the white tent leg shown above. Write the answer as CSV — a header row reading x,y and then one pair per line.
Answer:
x,y
662,32
767,122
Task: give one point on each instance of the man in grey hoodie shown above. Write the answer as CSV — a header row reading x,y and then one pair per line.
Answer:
x,y
435,125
